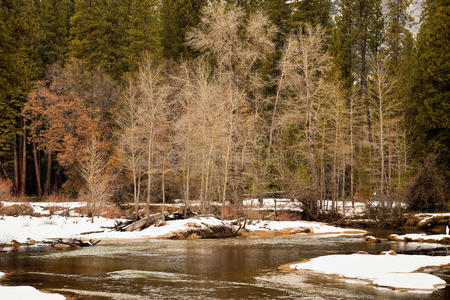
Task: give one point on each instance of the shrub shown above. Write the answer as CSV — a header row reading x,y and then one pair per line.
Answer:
x,y
427,190
5,189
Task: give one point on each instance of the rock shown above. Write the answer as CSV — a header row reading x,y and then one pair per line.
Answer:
x,y
393,237
362,252
372,239
390,252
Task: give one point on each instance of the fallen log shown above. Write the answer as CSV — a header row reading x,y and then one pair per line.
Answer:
x,y
143,223
73,243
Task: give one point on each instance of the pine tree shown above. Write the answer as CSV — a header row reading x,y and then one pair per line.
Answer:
x,y
397,20
368,22
20,65
99,34
55,23
177,17
143,32
313,12
431,107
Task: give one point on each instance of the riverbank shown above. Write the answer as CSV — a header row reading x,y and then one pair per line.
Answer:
x,y
28,230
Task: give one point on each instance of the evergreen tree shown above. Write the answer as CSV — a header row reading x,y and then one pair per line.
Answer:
x,y
20,66
99,34
55,23
143,32
314,12
177,17
431,106
397,20
368,29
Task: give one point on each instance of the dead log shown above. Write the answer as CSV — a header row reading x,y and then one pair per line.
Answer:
x,y
179,215
73,243
143,223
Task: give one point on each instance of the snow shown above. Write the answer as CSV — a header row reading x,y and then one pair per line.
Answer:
x,y
420,237
26,292
159,231
22,228
433,215
393,271
314,227
267,202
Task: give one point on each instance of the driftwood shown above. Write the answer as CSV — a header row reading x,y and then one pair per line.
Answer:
x,y
179,215
143,223
73,243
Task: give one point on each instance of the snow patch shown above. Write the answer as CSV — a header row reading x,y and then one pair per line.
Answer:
x,y
420,237
24,228
393,271
314,227
26,292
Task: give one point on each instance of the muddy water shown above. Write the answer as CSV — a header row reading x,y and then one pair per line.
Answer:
x,y
199,269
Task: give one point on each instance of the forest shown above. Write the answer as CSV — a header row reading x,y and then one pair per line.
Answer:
x,y
151,101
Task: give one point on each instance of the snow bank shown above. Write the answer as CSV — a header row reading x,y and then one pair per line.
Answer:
x,y
26,292
23,228
313,227
422,238
165,231
393,271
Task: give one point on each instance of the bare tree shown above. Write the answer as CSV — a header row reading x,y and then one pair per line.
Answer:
x,y
130,141
236,45
92,166
304,93
385,109
153,113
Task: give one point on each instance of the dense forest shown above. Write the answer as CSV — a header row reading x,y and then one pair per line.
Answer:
x,y
218,101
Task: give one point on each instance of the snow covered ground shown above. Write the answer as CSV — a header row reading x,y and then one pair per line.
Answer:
x,y
393,271
421,237
23,228
314,227
160,231
25,292
426,217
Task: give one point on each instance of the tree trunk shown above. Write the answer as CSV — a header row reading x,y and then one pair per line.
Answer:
x,y
48,173
381,145
227,161
163,190
23,171
37,170
16,166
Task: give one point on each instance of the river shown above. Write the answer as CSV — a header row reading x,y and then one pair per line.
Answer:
x,y
199,269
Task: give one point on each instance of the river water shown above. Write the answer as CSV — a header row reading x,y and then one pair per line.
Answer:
x,y
199,269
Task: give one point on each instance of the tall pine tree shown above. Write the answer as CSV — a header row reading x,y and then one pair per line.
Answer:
x,y
177,17
431,106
